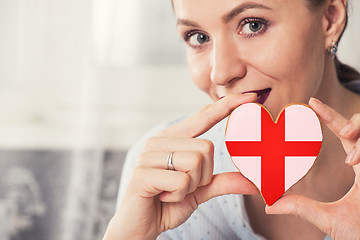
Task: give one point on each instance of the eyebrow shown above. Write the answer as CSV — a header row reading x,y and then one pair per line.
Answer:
x,y
241,8
229,16
187,23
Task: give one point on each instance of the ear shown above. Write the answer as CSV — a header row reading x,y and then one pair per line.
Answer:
x,y
334,20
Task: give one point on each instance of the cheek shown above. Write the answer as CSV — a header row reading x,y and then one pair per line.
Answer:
x,y
294,58
200,72
304,59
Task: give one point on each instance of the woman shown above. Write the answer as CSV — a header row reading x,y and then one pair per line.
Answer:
x,y
275,53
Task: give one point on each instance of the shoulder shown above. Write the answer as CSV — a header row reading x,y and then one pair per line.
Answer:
x,y
134,151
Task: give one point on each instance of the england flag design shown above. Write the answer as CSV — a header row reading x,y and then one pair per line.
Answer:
x,y
273,155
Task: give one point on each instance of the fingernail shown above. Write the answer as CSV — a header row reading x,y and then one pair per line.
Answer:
x,y
346,130
316,100
350,157
250,95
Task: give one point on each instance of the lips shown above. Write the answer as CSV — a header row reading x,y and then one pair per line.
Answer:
x,y
262,95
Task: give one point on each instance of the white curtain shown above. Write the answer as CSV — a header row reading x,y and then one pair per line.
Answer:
x,y
51,154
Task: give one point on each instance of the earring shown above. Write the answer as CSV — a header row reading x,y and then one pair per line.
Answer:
x,y
333,49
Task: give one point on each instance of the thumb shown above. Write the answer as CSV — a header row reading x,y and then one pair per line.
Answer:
x,y
225,183
317,213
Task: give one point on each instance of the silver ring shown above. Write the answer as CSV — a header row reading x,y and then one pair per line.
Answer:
x,y
170,165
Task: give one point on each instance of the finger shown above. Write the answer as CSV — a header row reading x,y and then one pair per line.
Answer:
x,y
203,146
147,183
317,213
207,117
357,174
329,116
352,129
187,162
353,158
223,184
333,120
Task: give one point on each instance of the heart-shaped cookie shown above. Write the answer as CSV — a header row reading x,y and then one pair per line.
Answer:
x,y
273,155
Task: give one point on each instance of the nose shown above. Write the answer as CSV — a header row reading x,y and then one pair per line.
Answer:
x,y
227,63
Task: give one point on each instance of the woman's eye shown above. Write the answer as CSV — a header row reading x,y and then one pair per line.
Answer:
x,y
255,26
197,39
249,28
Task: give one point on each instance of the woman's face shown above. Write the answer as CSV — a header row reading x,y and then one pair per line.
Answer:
x,y
275,48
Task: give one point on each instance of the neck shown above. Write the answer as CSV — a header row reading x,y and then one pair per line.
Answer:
x,y
334,94
330,178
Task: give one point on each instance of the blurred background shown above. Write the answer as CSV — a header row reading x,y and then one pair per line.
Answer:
x,y
80,82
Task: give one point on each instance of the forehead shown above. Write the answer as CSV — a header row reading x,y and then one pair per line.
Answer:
x,y
186,8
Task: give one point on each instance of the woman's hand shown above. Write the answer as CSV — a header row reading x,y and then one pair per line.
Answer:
x,y
158,199
339,219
